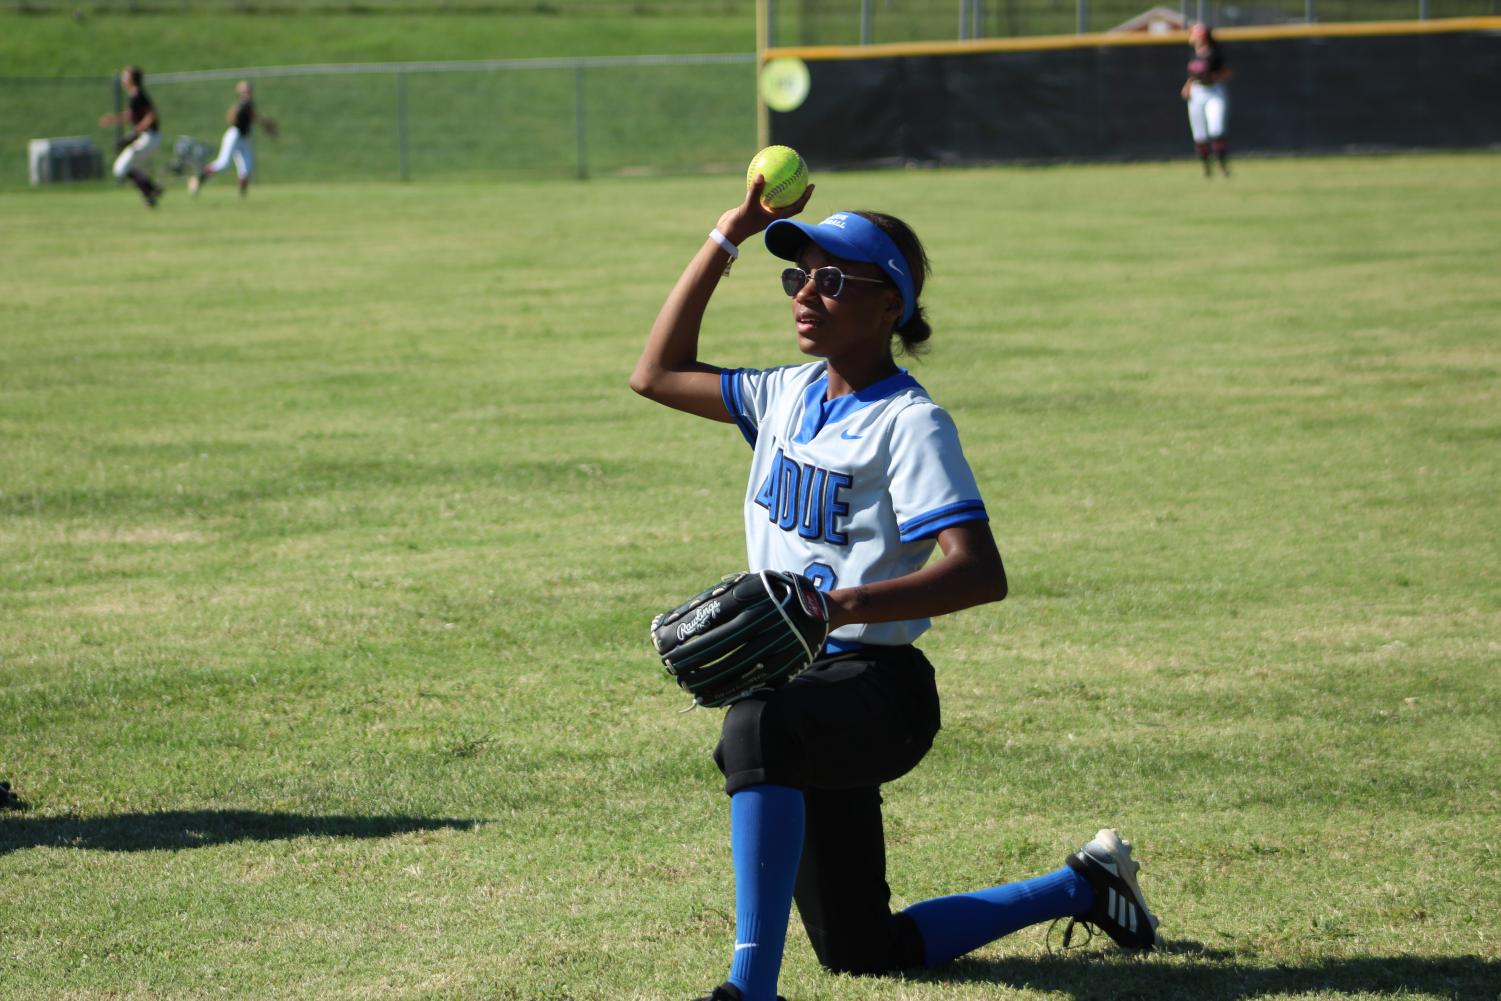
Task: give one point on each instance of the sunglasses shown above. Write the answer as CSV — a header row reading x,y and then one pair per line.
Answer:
x,y
827,281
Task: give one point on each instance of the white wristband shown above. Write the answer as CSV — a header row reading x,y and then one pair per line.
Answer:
x,y
724,242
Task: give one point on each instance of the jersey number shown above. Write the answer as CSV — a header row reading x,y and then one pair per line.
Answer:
x,y
822,575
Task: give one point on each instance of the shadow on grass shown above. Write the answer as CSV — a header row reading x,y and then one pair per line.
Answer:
x,y
171,830
1202,974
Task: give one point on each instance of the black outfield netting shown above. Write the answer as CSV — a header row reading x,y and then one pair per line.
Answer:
x,y
1288,95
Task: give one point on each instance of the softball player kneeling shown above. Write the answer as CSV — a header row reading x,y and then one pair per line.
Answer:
x,y
856,475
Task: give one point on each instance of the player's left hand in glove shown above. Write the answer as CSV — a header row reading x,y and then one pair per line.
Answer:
x,y
748,632
124,142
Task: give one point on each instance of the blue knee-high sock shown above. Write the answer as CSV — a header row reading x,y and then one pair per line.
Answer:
x,y
766,836
952,926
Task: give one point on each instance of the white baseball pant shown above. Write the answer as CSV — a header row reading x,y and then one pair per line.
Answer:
x,y
234,147
1208,107
137,155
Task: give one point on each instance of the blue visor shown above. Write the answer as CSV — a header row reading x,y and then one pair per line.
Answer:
x,y
851,237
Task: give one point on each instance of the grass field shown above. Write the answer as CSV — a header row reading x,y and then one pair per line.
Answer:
x,y
51,46
330,532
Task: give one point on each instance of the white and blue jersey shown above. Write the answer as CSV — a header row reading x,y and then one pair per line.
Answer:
x,y
848,491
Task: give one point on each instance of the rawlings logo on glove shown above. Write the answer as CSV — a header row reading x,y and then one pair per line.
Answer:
x,y
749,632
696,623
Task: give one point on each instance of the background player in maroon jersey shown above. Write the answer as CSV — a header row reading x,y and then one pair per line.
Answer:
x,y
145,135
242,117
1207,96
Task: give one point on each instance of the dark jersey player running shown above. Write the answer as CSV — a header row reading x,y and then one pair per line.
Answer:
x,y
235,146
145,135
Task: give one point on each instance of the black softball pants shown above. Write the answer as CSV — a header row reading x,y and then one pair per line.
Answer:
x,y
838,732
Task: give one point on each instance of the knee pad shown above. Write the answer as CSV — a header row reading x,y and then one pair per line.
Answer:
x,y
739,754
752,748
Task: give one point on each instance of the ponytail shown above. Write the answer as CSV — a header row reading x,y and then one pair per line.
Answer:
x,y
916,331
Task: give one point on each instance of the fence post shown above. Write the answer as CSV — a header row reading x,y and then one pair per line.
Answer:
x,y
1423,10
1083,23
119,110
1308,12
867,14
578,120
401,121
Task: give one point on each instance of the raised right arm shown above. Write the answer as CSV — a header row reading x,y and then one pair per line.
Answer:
x,y
669,370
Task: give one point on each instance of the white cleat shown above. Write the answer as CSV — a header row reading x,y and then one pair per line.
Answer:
x,y
1120,910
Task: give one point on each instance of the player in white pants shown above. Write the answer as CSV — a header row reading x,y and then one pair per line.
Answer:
x,y
235,146
145,136
1208,98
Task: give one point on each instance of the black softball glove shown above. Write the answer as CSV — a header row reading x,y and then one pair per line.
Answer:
x,y
750,631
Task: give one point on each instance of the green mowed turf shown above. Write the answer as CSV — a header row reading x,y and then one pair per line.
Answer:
x,y
99,43
330,533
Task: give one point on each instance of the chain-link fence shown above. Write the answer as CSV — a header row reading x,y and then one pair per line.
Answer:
x,y
866,22
422,121
571,8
